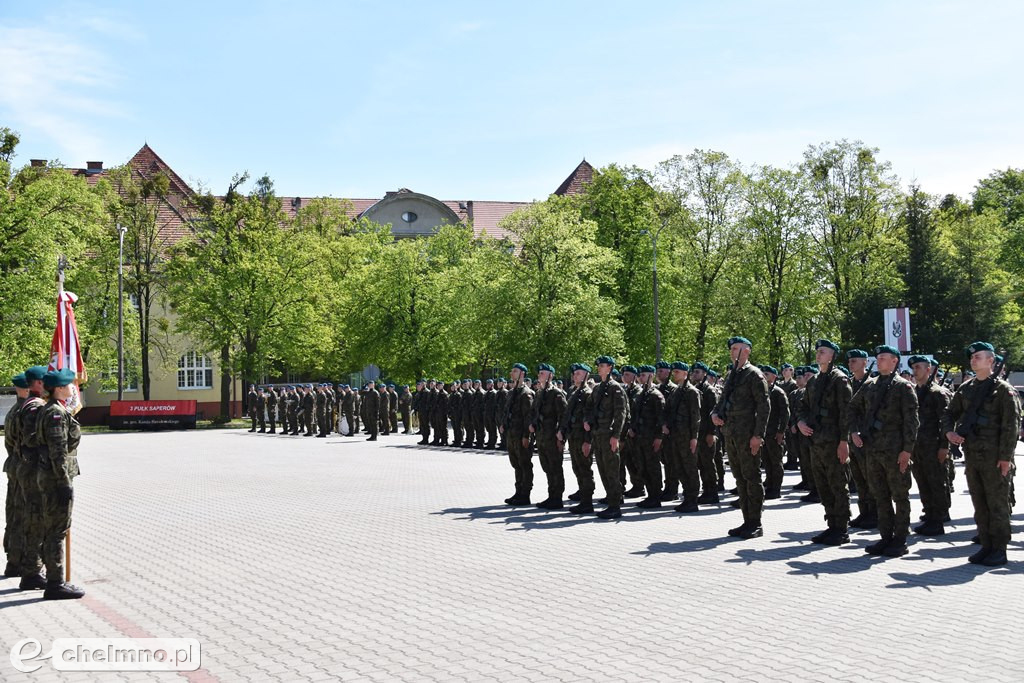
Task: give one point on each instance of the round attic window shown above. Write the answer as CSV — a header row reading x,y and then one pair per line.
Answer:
x,y
409,217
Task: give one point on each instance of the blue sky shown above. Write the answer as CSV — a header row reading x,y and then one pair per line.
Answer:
x,y
472,100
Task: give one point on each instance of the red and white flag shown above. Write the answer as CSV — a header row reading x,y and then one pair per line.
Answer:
x,y
897,328
65,349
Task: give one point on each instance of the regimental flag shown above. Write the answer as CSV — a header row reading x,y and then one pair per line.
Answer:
x,y
897,328
65,349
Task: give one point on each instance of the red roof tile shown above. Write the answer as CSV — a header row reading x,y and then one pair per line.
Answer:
x,y
574,184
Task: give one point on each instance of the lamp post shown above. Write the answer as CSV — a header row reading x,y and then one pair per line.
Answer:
x,y
657,316
121,230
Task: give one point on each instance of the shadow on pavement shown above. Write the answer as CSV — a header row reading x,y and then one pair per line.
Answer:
x,y
693,546
951,576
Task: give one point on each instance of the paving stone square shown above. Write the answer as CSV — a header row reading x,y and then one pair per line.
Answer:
x,y
294,559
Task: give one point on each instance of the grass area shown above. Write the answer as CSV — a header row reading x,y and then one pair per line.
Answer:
x,y
201,424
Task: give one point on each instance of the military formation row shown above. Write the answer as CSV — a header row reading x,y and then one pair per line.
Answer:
x,y
837,425
322,409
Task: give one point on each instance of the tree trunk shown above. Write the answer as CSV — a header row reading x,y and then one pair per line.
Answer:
x,y
225,382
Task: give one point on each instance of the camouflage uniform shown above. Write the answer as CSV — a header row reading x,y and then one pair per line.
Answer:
x,y
549,406
829,394
868,517
455,400
682,419
884,413
607,419
645,422
670,490
993,439
30,444
14,503
772,451
272,409
745,407
59,435
932,401
705,452
576,409
490,404
517,417
631,460
439,417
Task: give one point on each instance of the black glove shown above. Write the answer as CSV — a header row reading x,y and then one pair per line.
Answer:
x,y
65,494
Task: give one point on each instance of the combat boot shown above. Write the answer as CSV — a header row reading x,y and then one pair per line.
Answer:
x,y
575,497
855,522
897,547
688,505
634,492
32,582
668,495
272,431
58,590
12,569
982,555
811,497
996,558
262,431
835,536
610,512
708,498
930,528
520,499
550,504
585,507
869,522
800,486
877,548
649,503
752,530
773,494
822,537
740,530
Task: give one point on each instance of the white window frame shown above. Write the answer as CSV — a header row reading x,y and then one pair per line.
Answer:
x,y
194,367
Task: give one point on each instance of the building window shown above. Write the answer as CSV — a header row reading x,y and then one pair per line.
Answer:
x,y
195,371
108,378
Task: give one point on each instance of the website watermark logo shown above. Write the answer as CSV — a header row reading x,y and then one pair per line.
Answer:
x,y
108,654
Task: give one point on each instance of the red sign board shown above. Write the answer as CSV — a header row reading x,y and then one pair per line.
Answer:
x,y
153,414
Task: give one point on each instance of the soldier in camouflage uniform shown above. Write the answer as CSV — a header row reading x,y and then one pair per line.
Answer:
x,y
308,408
14,530
251,400
261,409
571,429
405,409
775,437
371,407
706,436
549,404
884,422
29,446
605,422
824,420
629,457
983,418
803,444
321,411
455,399
515,426
271,401
644,430
424,396
857,360
439,414
789,385
680,428
59,435
742,412
663,379
501,387
392,417
477,405
490,403
930,450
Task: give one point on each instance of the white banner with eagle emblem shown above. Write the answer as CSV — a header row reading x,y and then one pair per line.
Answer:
x,y
897,328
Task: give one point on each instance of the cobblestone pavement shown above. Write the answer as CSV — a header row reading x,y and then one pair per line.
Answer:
x,y
336,559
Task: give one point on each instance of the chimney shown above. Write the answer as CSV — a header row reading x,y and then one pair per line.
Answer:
x,y
469,210
94,167
38,163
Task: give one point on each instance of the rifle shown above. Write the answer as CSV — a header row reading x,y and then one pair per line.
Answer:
x,y
730,385
972,418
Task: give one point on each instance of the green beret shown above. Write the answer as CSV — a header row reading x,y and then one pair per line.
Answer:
x,y
584,366
768,369
826,343
810,369
799,372
680,365
58,378
980,346
489,381
917,359
787,366
20,381
999,359
545,366
616,373
662,365
520,366
738,340
700,365
856,353
604,360
846,370
885,348
713,373
629,368
35,373
645,368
